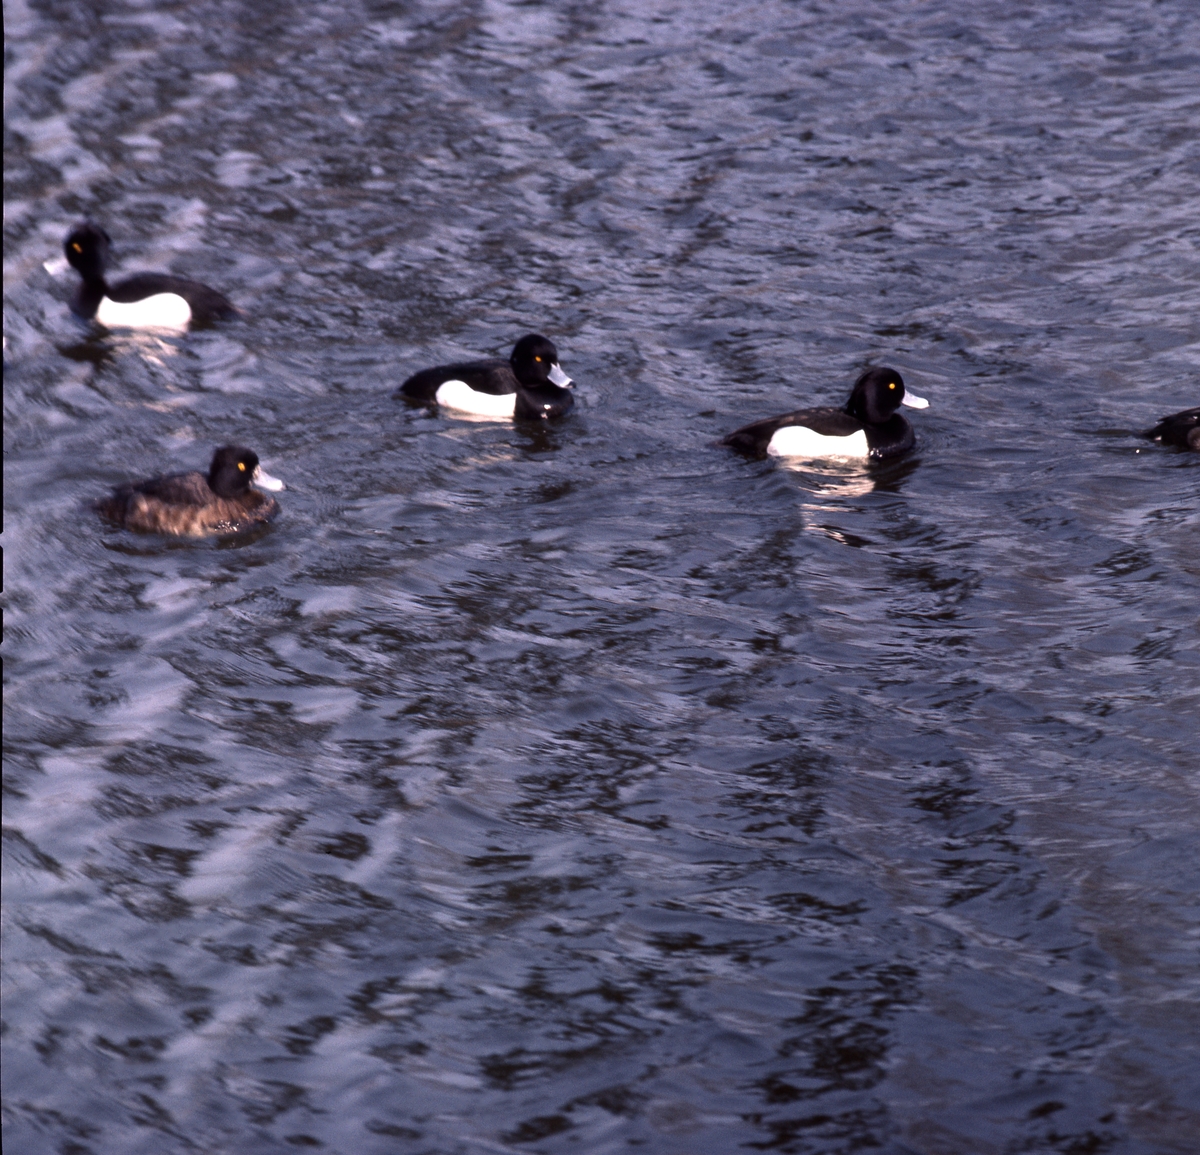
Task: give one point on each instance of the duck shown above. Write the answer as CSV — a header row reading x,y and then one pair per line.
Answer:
x,y
143,301
868,426
1181,429
530,385
194,504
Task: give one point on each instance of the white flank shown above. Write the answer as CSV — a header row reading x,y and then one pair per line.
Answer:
x,y
459,395
162,311
263,480
913,401
557,376
799,441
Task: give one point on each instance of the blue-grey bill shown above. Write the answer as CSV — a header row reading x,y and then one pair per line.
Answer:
x,y
263,480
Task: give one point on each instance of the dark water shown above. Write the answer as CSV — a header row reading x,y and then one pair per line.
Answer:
x,y
589,789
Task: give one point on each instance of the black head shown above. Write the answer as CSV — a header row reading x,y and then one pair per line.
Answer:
x,y
876,395
534,360
232,470
87,248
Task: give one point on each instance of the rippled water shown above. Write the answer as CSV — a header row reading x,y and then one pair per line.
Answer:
x,y
589,788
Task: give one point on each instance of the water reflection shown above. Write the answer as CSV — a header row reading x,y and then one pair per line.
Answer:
x,y
831,479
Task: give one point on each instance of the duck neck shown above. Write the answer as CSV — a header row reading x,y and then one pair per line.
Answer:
x,y
88,296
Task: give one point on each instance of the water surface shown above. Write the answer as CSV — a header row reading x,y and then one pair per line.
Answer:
x,y
589,788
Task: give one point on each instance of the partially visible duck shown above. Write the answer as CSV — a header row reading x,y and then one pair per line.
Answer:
x,y
143,301
192,504
1181,429
868,426
529,385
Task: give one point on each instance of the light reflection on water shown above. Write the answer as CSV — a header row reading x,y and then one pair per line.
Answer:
x,y
588,786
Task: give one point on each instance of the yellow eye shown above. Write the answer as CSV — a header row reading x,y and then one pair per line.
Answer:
x,y
536,357
77,246
242,466
891,384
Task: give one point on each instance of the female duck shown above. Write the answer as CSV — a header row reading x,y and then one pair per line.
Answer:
x,y
191,504
1181,429
529,385
867,427
143,301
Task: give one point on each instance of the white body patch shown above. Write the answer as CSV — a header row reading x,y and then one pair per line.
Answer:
x,y
459,395
800,441
162,311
